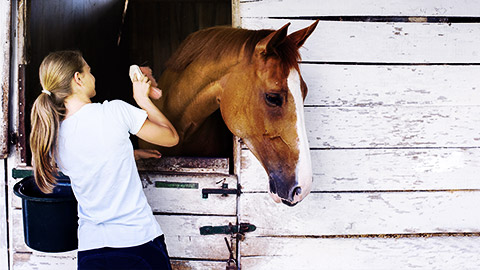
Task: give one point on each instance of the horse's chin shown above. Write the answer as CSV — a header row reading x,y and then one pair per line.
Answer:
x,y
278,199
275,197
289,203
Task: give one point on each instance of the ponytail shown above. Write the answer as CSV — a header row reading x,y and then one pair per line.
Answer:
x,y
45,119
56,73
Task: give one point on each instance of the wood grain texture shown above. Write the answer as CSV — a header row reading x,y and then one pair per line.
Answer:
x,y
379,170
44,261
363,213
370,42
197,265
182,236
393,126
3,221
184,165
295,8
189,200
388,85
5,19
183,239
434,253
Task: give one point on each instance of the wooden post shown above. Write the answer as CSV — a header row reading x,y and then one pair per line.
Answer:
x,y
236,19
5,15
5,19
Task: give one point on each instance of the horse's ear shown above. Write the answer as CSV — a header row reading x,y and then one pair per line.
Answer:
x,y
300,36
267,45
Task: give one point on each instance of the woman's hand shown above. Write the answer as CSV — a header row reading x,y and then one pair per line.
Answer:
x,y
140,89
146,153
155,92
157,129
145,86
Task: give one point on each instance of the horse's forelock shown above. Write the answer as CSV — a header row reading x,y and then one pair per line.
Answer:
x,y
213,43
287,51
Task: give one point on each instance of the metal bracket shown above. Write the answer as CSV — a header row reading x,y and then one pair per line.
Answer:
x,y
229,229
224,191
21,173
21,136
231,262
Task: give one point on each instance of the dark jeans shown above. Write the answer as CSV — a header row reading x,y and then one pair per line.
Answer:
x,y
151,255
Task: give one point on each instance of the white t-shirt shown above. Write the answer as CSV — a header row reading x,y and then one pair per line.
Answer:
x,y
95,151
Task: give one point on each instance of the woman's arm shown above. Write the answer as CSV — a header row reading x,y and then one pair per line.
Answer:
x,y
156,129
146,153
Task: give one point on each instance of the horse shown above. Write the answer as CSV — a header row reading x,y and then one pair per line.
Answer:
x,y
249,81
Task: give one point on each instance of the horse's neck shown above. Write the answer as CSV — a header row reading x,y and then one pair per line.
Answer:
x,y
192,95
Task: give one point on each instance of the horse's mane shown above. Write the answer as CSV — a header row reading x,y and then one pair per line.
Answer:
x,y
211,44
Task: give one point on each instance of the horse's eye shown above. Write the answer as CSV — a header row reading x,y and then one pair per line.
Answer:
x,y
273,99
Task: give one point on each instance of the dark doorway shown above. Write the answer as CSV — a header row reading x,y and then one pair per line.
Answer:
x,y
150,32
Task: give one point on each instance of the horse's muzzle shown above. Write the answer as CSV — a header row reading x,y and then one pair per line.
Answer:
x,y
288,193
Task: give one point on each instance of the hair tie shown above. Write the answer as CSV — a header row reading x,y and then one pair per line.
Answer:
x,y
46,92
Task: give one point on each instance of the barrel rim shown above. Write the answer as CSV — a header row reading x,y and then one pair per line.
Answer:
x,y
61,182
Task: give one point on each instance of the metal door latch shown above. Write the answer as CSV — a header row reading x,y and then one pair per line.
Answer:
x,y
224,191
229,229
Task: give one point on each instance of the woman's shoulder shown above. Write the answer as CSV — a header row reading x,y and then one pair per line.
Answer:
x,y
116,103
120,108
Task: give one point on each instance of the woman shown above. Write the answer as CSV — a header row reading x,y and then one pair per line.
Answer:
x,y
90,143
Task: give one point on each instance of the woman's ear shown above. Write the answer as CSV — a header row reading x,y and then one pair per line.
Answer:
x,y
77,79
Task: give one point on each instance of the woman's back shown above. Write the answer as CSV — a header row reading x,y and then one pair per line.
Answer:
x,y
94,150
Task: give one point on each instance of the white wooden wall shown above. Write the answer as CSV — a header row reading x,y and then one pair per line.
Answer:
x,y
393,120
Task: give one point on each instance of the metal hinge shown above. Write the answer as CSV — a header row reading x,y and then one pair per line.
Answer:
x,y
229,229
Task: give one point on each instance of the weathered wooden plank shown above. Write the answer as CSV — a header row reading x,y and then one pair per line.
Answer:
x,y
182,236
44,261
184,165
17,243
368,85
453,253
183,239
363,213
383,42
5,19
379,170
197,265
183,194
294,8
393,126
3,220
179,193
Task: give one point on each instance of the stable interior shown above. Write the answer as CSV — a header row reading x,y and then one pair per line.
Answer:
x,y
111,39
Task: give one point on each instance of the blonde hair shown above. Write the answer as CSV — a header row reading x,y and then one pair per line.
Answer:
x,y
56,73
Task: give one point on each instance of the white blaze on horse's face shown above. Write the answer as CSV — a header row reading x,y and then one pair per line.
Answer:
x,y
303,169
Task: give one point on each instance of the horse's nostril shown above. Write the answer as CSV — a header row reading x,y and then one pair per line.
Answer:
x,y
297,191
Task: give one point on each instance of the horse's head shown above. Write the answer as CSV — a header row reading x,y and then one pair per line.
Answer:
x,y
268,111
